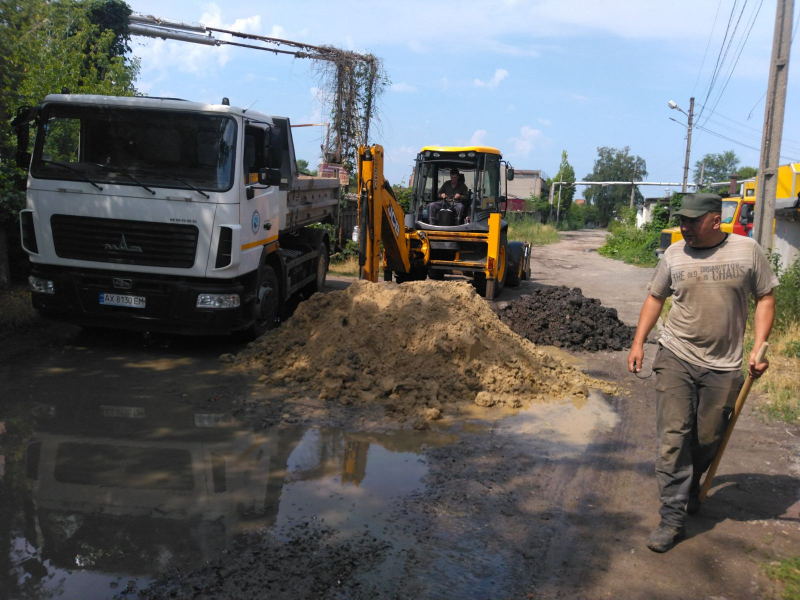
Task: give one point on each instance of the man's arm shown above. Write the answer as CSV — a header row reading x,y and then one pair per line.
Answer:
x,y
651,310
762,325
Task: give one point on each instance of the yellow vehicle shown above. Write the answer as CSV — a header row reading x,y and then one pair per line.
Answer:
x,y
415,246
738,213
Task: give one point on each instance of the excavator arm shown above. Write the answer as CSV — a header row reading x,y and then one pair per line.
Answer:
x,y
381,219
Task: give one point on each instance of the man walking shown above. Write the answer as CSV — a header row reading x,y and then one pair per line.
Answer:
x,y
710,276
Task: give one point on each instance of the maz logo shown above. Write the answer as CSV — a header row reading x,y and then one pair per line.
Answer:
x,y
123,246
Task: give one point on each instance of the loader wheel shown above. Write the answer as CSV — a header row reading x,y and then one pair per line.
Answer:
x,y
266,307
516,264
502,272
435,274
502,266
322,271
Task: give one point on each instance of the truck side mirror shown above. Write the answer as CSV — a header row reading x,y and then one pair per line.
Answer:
x,y
510,174
269,176
21,124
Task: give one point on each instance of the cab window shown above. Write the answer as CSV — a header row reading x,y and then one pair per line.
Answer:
x,y
729,210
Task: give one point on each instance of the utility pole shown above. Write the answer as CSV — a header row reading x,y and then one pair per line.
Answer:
x,y
688,145
767,187
633,185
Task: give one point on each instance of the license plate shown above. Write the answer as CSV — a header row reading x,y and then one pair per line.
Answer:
x,y
122,300
123,412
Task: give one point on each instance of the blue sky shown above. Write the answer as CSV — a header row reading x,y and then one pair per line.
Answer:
x,y
530,77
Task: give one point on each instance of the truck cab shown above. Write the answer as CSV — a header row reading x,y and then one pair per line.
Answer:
x,y
167,215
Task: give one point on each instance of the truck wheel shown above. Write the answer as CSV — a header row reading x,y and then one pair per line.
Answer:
x,y
322,271
267,304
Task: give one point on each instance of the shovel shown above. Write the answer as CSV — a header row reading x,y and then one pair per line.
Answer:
x,y
748,383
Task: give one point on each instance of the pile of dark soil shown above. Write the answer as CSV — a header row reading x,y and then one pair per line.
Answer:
x,y
562,317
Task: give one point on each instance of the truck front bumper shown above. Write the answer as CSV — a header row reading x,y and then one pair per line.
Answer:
x,y
170,303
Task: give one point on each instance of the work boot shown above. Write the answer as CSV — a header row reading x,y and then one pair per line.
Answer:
x,y
664,537
694,504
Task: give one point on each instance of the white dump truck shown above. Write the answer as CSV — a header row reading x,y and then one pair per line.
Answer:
x,y
159,214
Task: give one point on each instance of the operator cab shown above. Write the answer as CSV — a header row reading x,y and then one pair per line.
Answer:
x,y
478,169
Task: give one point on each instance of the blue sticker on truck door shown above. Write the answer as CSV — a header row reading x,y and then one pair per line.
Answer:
x,y
255,222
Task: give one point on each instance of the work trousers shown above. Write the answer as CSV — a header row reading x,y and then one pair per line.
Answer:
x,y
694,405
458,208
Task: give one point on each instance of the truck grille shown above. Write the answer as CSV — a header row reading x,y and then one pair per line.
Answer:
x,y
666,240
124,242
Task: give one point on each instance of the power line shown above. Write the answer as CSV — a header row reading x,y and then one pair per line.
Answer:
x,y
794,31
724,137
755,134
715,72
753,18
710,36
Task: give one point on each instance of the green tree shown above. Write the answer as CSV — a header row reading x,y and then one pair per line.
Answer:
x,y
718,167
565,173
47,45
403,195
614,164
302,166
747,172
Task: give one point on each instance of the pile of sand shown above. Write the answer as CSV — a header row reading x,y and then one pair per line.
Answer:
x,y
415,348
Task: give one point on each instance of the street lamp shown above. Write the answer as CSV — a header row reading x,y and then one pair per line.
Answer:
x,y
674,106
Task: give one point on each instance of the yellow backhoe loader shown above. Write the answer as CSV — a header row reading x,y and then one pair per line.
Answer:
x,y
465,235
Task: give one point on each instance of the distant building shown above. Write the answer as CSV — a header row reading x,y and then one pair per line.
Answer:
x,y
526,183
579,201
644,211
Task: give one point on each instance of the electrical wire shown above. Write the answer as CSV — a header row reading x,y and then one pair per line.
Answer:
x,y
791,41
715,72
724,137
753,18
708,45
755,134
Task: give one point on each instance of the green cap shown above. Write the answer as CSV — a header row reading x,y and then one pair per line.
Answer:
x,y
696,205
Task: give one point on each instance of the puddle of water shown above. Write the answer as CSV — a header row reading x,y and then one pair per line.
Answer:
x,y
562,429
115,494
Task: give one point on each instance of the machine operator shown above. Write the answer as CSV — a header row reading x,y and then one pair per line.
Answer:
x,y
454,190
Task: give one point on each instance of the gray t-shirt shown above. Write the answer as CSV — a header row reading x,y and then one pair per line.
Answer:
x,y
711,289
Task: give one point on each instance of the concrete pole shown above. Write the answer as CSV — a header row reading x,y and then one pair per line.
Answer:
x,y
688,145
633,185
767,187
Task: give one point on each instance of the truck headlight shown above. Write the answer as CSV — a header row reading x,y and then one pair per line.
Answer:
x,y
218,301
42,286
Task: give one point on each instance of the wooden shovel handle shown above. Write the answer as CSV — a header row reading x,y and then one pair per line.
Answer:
x,y
748,383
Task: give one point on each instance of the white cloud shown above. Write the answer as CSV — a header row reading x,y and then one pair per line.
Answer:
x,y
403,87
499,75
416,47
580,98
511,108
401,154
444,83
477,138
545,122
529,138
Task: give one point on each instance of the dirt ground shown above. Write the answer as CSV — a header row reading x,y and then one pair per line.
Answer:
x,y
148,466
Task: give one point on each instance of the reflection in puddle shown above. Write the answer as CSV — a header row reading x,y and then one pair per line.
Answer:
x,y
112,506
562,429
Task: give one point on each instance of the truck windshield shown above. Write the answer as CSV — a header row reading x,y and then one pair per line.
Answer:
x,y
729,210
135,147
